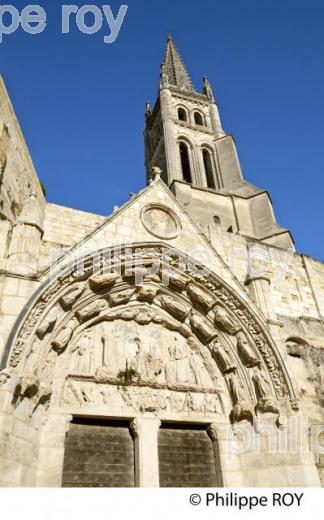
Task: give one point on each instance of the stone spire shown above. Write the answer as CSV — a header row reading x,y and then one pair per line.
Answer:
x,y
174,68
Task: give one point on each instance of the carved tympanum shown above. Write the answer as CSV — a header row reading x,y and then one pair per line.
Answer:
x,y
153,331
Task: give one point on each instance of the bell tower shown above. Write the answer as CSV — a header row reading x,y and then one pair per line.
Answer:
x,y
184,137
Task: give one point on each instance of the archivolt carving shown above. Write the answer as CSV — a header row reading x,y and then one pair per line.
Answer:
x,y
74,318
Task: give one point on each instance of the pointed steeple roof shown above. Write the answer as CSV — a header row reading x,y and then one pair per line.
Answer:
x,y
174,67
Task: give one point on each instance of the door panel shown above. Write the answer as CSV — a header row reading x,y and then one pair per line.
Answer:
x,y
186,457
98,454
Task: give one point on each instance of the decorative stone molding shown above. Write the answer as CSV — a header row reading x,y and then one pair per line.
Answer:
x,y
160,221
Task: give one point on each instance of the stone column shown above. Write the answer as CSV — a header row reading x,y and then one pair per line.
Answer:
x,y
171,145
260,292
200,168
146,451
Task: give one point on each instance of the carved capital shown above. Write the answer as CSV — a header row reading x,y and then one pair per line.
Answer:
x,y
138,425
213,432
218,432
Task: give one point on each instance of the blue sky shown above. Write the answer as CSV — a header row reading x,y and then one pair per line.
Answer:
x,y
80,102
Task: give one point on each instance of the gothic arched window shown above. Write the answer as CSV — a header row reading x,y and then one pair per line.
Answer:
x,y
185,162
182,114
209,170
198,119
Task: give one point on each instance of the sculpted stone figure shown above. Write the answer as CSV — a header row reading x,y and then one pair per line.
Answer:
x,y
236,390
200,326
63,337
132,347
200,296
48,323
224,321
178,369
266,403
177,281
211,404
147,293
120,297
111,357
222,355
33,356
81,362
143,361
245,351
91,310
68,300
261,385
103,281
127,314
202,377
241,409
176,308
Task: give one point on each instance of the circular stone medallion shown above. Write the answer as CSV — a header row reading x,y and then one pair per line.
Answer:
x,y
160,221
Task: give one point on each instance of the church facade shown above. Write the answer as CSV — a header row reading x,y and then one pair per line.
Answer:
x,y
178,342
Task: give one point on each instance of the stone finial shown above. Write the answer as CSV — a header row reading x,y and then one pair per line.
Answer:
x,y
148,110
207,90
155,174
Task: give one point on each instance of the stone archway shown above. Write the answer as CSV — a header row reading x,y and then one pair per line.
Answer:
x,y
115,340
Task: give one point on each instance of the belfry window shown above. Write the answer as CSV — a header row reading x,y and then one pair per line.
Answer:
x,y
216,219
185,162
198,119
209,171
182,114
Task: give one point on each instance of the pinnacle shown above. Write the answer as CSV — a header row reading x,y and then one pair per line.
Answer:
x,y
175,68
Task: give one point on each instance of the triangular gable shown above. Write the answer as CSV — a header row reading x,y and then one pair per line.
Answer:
x,y
125,226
